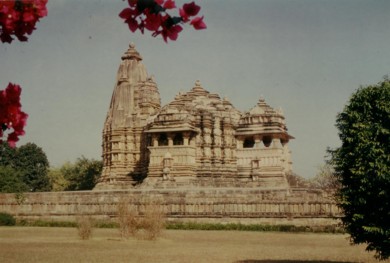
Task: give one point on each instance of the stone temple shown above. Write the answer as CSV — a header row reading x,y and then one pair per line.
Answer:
x,y
196,140
199,158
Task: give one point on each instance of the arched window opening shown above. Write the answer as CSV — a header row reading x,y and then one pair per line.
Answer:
x,y
162,140
249,142
267,141
178,139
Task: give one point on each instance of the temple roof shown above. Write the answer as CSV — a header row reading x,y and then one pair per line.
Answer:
x,y
264,120
131,53
133,90
185,110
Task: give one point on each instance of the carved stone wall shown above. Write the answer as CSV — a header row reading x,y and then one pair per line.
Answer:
x,y
223,205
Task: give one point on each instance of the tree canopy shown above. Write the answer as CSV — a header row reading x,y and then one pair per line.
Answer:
x,y
362,166
7,154
11,181
27,169
80,175
27,164
325,178
31,160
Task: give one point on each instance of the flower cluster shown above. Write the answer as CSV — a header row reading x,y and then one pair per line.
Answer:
x,y
18,18
11,116
152,15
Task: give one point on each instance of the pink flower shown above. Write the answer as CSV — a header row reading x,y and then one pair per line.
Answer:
x,y
28,17
129,15
132,3
172,32
20,19
12,139
11,115
153,15
152,22
169,4
191,9
133,24
198,23
126,13
40,7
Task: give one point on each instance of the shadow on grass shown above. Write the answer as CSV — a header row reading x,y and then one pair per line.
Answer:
x,y
289,261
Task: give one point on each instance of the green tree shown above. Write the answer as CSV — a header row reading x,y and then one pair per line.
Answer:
x,y
57,179
83,174
7,154
362,166
325,178
297,181
32,162
24,168
11,180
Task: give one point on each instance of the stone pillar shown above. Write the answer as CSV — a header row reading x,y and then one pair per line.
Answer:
x,y
240,143
186,138
170,139
258,141
217,131
193,141
155,140
217,155
276,143
206,156
198,143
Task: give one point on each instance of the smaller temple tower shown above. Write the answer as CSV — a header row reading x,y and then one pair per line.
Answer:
x,y
262,151
135,98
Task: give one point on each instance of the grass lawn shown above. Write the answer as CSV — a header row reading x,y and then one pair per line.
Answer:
x,y
40,244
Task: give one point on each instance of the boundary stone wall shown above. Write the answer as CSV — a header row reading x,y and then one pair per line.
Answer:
x,y
212,205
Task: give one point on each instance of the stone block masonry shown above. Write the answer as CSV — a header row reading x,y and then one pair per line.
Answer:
x,y
211,205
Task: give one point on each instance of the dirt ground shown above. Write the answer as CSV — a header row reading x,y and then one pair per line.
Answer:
x,y
32,244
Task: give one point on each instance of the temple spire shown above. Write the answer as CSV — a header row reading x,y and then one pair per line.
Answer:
x,y
132,53
134,99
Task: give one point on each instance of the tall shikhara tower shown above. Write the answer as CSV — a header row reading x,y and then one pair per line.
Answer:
x,y
134,100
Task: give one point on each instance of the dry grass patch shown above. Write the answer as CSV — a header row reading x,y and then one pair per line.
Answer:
x,y
40,244
84,227
145,224
127,219
153,221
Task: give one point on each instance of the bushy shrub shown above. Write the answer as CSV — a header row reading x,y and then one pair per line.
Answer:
x,y
84,227
146,225
127,219
153,221
7,220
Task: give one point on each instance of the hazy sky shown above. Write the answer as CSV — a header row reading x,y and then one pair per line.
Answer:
x,y
305,56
